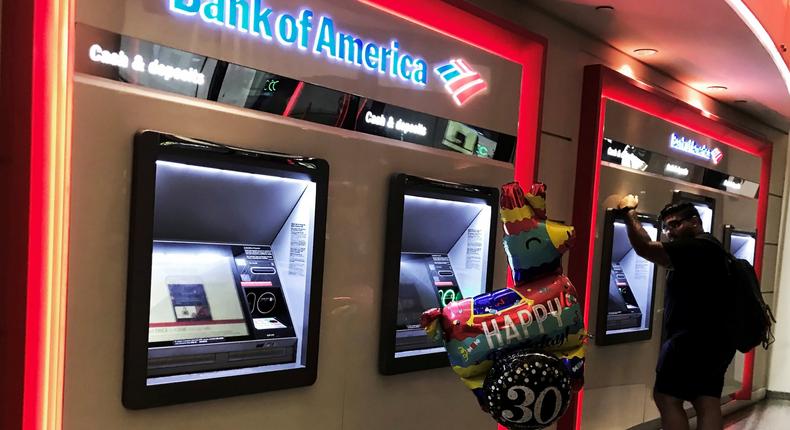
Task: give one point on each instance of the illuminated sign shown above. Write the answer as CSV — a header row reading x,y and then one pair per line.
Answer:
x,y
690,146
307,32
461,81
138,64
612,152
731,184
677,170
395,124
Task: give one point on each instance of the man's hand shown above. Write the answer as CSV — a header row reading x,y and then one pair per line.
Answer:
x,y
628,202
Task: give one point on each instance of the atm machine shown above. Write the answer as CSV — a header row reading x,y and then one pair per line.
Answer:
x,y
440,248
225,267
625,307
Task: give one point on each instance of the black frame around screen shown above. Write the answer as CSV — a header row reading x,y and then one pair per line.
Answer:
x,y
400,186
150,146
684,196
601,338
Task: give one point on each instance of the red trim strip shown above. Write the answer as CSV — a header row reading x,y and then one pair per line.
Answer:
x,y
256,284
294,98
443,284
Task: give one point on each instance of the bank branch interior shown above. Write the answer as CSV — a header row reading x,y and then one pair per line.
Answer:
x,y
294,215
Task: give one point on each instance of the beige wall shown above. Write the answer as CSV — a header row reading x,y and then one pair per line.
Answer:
x,y
349,393
779,371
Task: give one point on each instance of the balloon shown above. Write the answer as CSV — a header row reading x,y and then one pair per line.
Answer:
x,y
537,323
527,390
534,245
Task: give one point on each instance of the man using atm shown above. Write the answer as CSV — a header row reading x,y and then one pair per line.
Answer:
x,y
699,345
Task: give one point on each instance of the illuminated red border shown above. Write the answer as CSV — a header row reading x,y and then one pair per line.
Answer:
x,y
471,25
601,84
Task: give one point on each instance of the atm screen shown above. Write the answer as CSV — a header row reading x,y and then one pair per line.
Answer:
x,y
445,252
225,247
627,284
741,244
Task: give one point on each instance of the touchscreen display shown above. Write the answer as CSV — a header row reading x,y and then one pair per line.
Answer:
x,y
193,294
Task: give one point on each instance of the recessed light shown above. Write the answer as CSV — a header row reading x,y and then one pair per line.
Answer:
x,y
605,8
717,88
645,52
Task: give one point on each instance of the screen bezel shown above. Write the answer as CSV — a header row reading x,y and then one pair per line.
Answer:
x,y
601,337
150,146
401,185
685,196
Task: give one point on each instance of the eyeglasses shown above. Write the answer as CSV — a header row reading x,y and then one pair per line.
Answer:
x,y
671,225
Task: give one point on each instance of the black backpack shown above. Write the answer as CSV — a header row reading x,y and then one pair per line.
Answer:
x,y
753,318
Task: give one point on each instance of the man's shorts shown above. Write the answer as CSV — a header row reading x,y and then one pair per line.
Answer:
x,y
691,366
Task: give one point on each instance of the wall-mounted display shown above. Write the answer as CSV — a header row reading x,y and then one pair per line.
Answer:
x,y
706,206
627,284
440,248
739,243
225,269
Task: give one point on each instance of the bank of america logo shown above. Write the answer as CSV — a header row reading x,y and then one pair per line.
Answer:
x,y
461,81
716,155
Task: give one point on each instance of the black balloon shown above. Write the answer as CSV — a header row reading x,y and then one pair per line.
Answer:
x,y
527,390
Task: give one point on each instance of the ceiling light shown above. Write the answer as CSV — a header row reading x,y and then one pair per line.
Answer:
x,y
625,69
717,88
645,52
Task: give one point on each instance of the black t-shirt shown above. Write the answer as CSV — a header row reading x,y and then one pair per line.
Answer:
x,y
698,297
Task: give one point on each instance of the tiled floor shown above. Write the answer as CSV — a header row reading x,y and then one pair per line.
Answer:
x,y
768,414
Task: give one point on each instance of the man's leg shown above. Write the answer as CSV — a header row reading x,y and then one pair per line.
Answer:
x,y
708,413
673,417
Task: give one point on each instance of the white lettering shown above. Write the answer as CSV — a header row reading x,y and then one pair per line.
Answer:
x,y
488,333
155,68
118,59
555,312
540,315
511,332
731,184
674,168
614,152
379,120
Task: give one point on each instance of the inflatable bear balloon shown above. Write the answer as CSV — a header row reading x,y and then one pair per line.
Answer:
x,y
520,349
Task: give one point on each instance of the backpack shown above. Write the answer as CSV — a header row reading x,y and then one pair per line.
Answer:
x,y
753,318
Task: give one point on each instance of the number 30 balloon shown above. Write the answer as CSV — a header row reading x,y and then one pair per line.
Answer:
x,y
521,349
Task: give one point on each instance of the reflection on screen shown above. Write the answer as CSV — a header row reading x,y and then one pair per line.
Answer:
x,y
706,215
444,257
742,246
